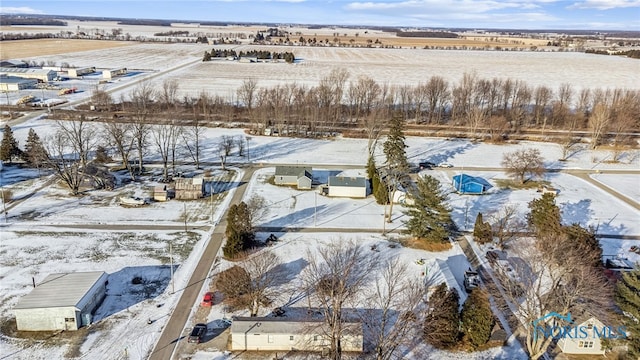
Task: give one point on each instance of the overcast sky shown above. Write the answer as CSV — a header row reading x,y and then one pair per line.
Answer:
x,y
510,14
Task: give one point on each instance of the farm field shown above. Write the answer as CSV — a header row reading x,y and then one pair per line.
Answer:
x,y
396,67
41,47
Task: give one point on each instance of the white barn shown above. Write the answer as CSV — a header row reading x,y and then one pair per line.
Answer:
x,y
12,83
277,334
28,73
61,302
344,186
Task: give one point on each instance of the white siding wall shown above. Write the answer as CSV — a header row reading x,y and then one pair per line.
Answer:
x,y
348,191
286,180
304,183
283,342
47,319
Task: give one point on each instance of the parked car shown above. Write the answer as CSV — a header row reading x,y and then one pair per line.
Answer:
x,y
471,280
495,255
207,299
445,165
197,334
425,165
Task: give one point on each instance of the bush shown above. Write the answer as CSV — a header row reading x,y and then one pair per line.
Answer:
x,y
441,325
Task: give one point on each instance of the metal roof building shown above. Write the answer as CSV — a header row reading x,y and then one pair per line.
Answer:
x,y
28,73
12,83
61,302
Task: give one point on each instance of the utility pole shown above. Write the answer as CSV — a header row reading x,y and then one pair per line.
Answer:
x,y
173,290
315,208
185,217
248,155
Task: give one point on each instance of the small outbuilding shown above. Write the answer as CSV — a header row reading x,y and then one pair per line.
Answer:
x,y
345,186
61,302
277,334
189,189
160,193
111,73
299,176
467,184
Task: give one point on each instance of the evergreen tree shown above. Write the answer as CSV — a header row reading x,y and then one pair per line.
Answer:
x,y
482,230
394,146
476,318
239,232
628,300
378,188
442,322
585,239
545,217
429,215
9,146
34,152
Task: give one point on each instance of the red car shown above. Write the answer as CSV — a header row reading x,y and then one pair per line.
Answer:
x,y
207,300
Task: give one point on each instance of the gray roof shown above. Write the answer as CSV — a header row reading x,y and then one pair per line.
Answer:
x,y
15,80
270,325
61,290
347,181
293,171
25,71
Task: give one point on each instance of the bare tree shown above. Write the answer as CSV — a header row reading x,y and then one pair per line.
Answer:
x,y
227,144
247,94
334,278
81,136
258,208
251,283
544,286
169,92
162,138
64,161
101,99
395,300
506,225
598,122
263,276
523,162
437,98
121,137
192,136
141,100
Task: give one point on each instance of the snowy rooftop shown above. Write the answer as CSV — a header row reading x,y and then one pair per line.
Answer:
x,y
58,290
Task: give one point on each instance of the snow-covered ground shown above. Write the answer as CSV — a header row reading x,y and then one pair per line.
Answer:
x,y
52,232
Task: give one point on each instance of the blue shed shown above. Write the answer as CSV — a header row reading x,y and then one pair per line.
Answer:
x,y
467,184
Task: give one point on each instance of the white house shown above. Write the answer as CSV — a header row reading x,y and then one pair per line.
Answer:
x,y
299,176
344,186
61,302
590,344
278,334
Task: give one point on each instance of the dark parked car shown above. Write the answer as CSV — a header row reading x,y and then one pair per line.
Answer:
x,y
426,165
197,333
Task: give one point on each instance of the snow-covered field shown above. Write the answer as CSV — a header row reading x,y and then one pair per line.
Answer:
x,y
386,66
51,232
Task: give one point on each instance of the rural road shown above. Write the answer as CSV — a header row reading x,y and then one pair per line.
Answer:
x,y
172,332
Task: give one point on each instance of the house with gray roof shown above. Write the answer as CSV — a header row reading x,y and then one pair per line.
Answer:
x,y
299,176
346,186
61,302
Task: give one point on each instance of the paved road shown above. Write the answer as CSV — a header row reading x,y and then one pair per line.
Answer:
x,y
172,332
